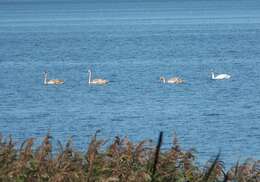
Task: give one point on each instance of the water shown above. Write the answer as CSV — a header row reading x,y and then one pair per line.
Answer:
x,y
132,44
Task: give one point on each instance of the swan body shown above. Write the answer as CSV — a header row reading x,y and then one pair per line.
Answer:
x,y
220,76
51,82
95,81
174,80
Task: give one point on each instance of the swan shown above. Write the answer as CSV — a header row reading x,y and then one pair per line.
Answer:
x,y
220,76
51,82
95,81
174,80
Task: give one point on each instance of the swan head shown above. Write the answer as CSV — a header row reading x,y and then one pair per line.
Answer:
x,y
212,74
89,71
162,78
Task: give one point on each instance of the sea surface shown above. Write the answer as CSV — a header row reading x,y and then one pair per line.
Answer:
x,y
132,44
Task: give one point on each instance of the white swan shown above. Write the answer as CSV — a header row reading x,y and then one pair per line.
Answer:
x,y
220,76
95,81
174,80
51,82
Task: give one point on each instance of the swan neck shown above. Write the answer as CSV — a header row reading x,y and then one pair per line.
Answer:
x,y
212,75
89,77
45,78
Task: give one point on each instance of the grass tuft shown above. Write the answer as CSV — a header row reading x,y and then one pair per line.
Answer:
x,y
121,161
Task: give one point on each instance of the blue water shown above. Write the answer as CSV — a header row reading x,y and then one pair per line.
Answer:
x,y
132,44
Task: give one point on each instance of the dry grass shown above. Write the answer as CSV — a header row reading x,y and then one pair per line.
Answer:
x,y
122,161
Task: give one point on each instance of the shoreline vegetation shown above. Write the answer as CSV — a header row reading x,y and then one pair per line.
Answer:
x,y
121,161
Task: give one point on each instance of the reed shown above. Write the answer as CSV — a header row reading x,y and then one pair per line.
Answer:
x,y
156,155
121,161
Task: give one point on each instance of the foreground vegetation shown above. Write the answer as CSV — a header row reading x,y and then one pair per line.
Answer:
x,y
122,161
